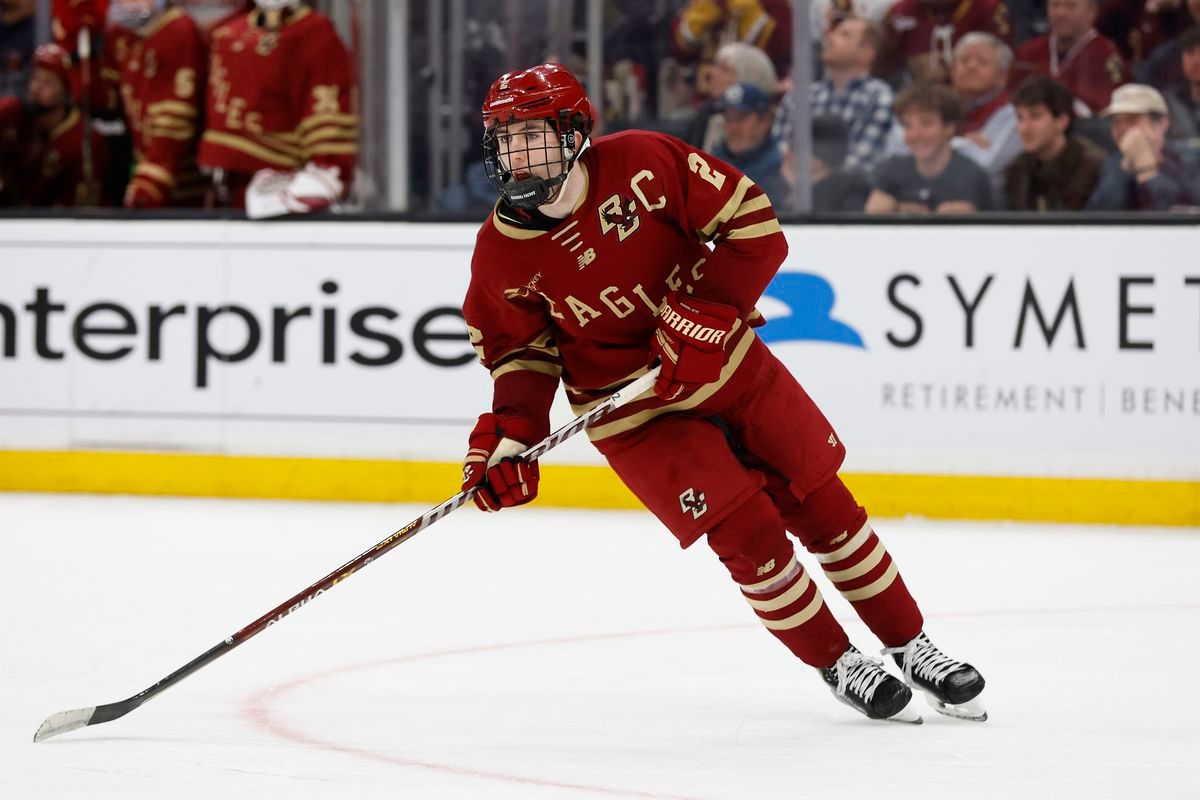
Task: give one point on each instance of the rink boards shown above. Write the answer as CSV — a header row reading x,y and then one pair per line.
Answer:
x,y
1031,372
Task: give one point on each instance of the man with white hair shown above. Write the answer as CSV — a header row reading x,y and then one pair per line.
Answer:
x,y
735,62
1149,173
989,129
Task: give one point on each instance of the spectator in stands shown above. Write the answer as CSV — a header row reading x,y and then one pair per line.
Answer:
x,y
1138,27
54,165
1075,54
16,44
988,135
1162,68
749,145
1028,20
934,178
703,24
736,62
1057,171
1150,173
1183,102
920,35
847,90
835,189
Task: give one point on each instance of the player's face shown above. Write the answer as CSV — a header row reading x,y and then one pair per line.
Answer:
x,y
46,88
1039,129
1071,18
745,130
977,70
529,149
1191,64
926,135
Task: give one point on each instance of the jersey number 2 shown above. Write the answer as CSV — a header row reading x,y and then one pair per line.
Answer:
x,y
701,168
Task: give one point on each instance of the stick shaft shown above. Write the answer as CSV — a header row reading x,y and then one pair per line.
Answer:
x,y
297,601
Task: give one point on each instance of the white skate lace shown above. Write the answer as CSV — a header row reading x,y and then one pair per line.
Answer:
x,y
922,657
859,674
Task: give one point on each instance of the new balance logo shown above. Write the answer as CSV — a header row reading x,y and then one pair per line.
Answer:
x,y
588,257
765,568
693,501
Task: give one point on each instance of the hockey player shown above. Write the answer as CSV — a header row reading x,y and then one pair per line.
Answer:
x,y
594,263
281,112
162,81
42,140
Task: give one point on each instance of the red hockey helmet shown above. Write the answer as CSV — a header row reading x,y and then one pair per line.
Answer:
x,y
546,92
55,59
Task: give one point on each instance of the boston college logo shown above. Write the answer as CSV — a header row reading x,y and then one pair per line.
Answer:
x,y
693,501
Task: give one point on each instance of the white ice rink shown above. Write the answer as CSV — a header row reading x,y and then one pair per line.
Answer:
x,y
552,654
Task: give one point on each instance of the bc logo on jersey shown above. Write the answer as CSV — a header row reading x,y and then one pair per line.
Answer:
x,y
811,299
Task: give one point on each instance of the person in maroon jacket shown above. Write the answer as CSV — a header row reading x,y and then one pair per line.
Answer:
x,y
44,160
921,34
596,262
1075,54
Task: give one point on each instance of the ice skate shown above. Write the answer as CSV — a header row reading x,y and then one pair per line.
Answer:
x,y
861,683
952,687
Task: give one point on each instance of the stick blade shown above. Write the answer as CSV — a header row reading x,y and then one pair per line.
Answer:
x,y
64,722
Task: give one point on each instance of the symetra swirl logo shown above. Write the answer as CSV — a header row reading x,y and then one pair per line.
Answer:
x,y
811,300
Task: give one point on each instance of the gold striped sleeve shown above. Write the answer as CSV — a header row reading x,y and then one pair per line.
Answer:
x,y
149,187
726,212
259,151
329,132
332,149
756,230
155,172
750,206
326,119
528,365
171,107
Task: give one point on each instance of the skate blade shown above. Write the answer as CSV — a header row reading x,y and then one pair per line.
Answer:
x,y
908,715
972,710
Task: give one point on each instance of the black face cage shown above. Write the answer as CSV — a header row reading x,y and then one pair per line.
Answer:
x,y
559,149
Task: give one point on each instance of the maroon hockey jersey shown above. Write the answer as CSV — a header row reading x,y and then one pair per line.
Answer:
x,y
580,301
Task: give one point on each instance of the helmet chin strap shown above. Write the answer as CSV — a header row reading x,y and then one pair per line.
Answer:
x,y
533,192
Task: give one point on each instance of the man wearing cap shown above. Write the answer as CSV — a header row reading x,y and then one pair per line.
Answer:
x,y
1149,173
748,143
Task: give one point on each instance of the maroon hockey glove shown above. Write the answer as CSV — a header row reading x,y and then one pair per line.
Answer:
x,y
492,463
690,341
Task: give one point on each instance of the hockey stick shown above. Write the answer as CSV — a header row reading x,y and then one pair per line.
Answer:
x,y
65,721
83,46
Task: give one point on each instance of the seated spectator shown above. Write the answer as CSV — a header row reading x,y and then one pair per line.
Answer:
x,y
1074,54
736,62
1138,27
16,44
934,179
835,189
1057,171
49,163
749,144
702,24
1149,173
1162,68
920,35
989,130
1183,102
848,91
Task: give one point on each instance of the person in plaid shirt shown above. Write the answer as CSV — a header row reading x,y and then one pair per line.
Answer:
x,y
848,91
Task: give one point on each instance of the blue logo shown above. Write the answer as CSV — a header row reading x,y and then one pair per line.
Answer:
x,y
811,299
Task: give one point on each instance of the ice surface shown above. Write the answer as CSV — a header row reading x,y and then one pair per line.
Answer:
x,y
559,654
